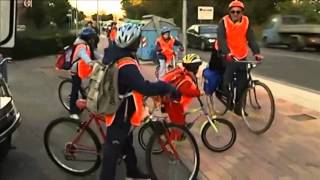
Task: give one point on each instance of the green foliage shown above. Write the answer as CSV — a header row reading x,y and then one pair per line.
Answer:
x,y
309,9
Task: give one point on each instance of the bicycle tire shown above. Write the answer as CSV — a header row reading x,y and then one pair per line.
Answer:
x,y
272,108
65,104
205,139
141,138
57,161
156,136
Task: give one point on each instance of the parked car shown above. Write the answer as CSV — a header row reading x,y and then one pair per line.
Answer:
x,y
293,31
202,36
9,116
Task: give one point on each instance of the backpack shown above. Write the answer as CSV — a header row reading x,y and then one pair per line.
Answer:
x,y
175,77
64,59
103,95
212,80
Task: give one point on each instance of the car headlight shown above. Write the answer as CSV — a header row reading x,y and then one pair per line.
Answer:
x,y
211,40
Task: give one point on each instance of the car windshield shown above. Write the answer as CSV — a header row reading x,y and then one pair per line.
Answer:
x,y
208,29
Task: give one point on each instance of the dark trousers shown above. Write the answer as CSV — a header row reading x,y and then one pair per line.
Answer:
x,y
241,75
76,88
118,143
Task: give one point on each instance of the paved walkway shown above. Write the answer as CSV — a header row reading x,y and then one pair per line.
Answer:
x,y
289,150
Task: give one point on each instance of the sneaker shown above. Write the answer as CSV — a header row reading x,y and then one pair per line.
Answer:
x,y
137,175
75,116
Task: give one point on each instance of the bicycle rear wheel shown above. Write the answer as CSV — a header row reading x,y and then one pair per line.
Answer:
x,y
180,159
220,139
258,107
71,148
64,93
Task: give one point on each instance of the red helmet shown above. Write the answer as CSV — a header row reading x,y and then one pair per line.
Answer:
x,y
236,3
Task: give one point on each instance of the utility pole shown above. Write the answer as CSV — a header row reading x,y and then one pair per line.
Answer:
x,y
184,25
76,17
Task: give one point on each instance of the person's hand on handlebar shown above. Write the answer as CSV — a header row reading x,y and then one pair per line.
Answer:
x,y
258,57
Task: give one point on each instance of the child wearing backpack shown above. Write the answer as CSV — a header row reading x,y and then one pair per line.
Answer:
x,y
185,81
83,54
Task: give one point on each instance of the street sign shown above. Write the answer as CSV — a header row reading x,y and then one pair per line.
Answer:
x,y
7,22
205,12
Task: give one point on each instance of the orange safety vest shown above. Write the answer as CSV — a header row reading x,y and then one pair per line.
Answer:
x,y
236,37
167,48
84,69
113,34
139,113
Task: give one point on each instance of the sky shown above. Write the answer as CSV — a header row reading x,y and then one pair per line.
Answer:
x,y
89,7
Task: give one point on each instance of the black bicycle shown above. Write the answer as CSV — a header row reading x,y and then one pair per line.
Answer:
x,y
257,102
64,92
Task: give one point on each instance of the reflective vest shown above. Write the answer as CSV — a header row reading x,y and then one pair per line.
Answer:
x,y
113,34
84,69
167,48
236,37
139,113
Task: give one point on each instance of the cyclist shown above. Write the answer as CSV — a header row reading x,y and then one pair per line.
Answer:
x,y
165,50
235,34
83,55
131,83
113,31
185,80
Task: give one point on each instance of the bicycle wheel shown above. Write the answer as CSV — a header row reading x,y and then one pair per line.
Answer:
x,y
180,159
220,139
258,107
64,93
71,148
144,134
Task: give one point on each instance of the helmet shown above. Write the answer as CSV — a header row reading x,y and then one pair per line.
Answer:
x,y
191,62
127,35
87,33
165,30
191,59
236,3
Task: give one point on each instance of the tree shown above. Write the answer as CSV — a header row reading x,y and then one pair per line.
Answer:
x,y
105,17
37,14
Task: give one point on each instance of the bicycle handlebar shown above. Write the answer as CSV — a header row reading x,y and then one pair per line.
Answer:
x,y
7,59
247,62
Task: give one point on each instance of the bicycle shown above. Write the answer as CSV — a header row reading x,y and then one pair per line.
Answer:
x,y
212,127
72,149
250,111
64,90
179,159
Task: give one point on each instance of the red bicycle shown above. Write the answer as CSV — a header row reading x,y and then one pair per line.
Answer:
x,y
73,145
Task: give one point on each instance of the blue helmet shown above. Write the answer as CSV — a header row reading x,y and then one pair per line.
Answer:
x,y
88,32
165,30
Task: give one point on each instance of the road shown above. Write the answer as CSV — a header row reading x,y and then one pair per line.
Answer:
x,y
295,68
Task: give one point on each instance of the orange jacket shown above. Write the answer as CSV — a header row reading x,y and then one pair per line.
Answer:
x,y
84,69
185,84
139,113
167,48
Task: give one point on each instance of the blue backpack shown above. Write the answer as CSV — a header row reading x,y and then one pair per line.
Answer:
x,y
212,80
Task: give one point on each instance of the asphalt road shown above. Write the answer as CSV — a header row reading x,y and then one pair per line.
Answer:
x,y
301,69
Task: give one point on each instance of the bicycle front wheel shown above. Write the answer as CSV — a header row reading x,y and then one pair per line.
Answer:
x,y
64,93
220,136
258,107
180,159
74,149
144,134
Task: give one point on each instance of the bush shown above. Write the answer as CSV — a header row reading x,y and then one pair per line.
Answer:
x,y
27,47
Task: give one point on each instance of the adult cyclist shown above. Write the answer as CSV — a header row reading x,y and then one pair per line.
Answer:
x,y
235,35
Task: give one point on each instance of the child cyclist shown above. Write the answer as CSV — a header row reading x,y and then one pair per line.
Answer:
x,y
185,80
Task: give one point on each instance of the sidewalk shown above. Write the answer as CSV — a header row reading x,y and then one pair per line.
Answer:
x,y
289,150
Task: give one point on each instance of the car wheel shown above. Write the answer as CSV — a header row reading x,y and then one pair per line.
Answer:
x,y
265,42
5,146
203,46
294,45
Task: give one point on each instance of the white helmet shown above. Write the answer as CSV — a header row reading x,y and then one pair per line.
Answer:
x,y
127,35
